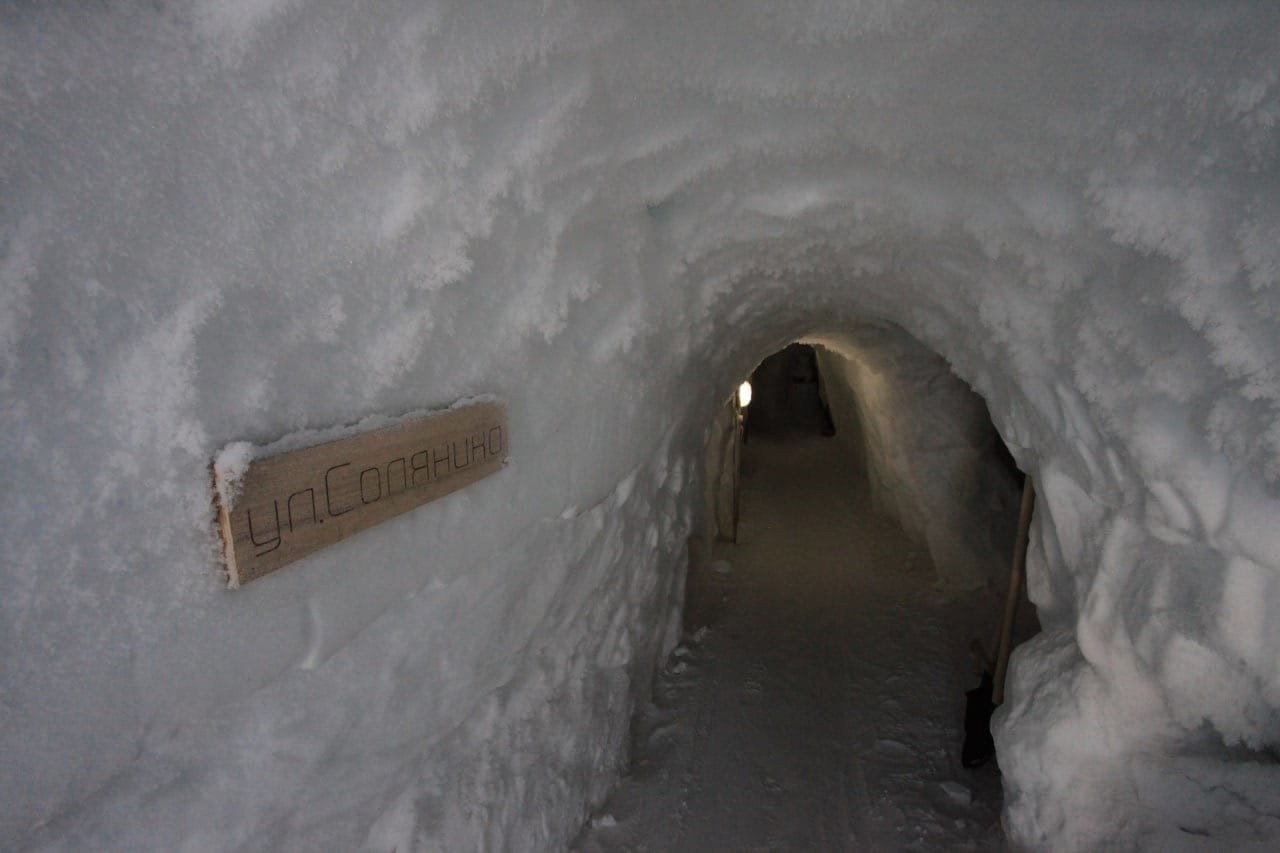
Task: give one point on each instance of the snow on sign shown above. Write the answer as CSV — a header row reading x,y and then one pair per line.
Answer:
x,y
284,506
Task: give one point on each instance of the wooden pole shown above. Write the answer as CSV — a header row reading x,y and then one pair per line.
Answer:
x,y
737,464
1015,590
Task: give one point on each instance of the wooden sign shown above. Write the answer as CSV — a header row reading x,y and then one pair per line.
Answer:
x,y
300,501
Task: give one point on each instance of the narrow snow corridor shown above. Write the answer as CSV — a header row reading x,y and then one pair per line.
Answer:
x,y
817,700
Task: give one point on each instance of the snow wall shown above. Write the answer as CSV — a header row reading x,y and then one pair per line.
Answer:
x,y
237,220
928,448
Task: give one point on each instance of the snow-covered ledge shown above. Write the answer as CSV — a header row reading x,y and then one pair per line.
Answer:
x,y
234,221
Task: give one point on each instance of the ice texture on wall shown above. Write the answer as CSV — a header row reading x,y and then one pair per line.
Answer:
x,y
234,221
928,449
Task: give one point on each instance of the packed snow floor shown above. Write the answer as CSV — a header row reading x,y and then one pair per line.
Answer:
x,y
818,697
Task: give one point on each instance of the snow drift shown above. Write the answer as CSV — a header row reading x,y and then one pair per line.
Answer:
x,y
232,222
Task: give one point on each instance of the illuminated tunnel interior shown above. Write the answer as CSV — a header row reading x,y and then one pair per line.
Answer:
x,y
817,699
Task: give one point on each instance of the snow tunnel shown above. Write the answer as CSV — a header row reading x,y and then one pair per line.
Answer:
x,y
856,535
246,222
921,438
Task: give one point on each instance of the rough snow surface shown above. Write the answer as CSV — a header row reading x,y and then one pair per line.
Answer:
x,y
227,222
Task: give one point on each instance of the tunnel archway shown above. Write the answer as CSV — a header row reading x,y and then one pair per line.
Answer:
x,y
1077,538
819,585
923,439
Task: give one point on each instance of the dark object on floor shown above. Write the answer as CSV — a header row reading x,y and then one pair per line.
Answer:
x,y
978,707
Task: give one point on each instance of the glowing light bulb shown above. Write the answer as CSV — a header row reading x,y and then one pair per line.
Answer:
x,y
744,394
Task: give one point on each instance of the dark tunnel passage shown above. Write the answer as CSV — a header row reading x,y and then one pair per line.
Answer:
x,y
788,395
817,699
